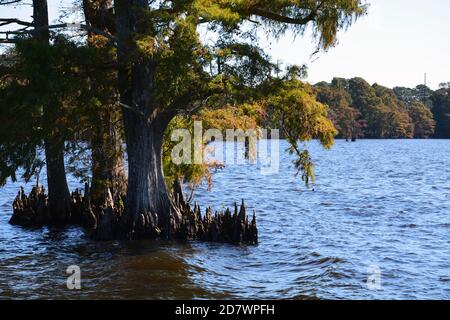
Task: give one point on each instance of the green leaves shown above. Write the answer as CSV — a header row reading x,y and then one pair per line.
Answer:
x,y
294,109
227,71
219,11
146,45
345,118
422,118
72,82
441,112
386,115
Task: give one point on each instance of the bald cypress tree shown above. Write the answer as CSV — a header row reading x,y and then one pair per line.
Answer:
x,y
162,74
58,190
28,92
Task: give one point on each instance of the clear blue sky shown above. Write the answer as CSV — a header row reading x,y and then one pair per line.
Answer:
x,y
394,45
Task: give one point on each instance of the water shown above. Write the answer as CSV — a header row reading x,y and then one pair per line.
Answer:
x,y
376,204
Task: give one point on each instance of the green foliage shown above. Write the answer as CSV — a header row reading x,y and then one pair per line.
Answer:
x,y
246,116
294,109
191,174
27,84
420,94
395,114
378,112
422,118
345,118
230,76
441,112
386,116
73,85
291,105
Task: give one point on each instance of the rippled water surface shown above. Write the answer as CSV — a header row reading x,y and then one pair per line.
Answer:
x,y
376,204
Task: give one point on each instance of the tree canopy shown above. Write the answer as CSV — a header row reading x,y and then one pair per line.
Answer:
x,y
441,111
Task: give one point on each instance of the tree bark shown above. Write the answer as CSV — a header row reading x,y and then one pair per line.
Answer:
x,y
40,19
108,165
58,190
108,161
149,210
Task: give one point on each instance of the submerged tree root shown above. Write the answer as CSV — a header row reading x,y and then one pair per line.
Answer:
x,y
222,227
106,222
31,210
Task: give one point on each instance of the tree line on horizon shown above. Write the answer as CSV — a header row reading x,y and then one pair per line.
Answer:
x,y
361,110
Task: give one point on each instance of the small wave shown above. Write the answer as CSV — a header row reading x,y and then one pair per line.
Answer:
x,y
321,261
334,274
444,225
412,226
330,260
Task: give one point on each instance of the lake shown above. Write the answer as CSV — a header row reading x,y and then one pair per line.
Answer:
x,y
378,210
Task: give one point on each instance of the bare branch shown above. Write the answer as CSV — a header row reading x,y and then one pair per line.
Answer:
x,y
7,39
111,38
7,2
4,22
140,113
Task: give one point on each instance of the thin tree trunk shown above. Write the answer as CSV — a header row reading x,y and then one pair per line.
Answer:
x,y
58,190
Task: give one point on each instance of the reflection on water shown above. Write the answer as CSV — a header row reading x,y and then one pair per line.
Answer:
x,y
382,203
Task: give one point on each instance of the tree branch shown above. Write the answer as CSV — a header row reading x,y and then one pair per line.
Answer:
x,y
4,22
135,110
258,11
111,38
7,2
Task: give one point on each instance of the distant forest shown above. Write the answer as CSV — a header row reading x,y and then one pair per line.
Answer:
x,y
361,110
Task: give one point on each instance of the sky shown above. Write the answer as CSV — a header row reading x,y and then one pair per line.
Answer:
x,y
394,45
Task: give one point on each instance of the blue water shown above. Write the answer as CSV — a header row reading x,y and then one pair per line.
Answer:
x,y
376,205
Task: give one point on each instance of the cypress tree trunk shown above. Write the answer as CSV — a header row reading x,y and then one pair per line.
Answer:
x,y
108,162
149,210
58,190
